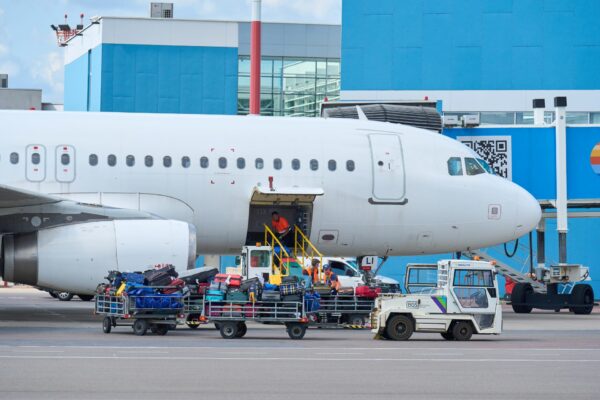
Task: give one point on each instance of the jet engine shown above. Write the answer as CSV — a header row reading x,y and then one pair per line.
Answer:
x,y
77,257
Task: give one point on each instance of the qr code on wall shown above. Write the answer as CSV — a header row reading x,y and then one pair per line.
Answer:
x,y
495,150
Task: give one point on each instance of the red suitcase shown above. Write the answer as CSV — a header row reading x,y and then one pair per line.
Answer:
x,y
367,292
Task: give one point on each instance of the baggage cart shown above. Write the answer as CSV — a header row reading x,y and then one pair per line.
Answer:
x,y
193,307
342,311
157,312
231,317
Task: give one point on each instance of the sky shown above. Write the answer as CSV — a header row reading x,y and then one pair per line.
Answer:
x,y
30,56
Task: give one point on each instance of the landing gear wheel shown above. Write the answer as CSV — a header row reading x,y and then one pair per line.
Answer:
x,y
399,327
64,296
106,325
161,330
519,295
242,329
85,297
296,331
448,335
357,320
140,327
229,330
462,330
583,296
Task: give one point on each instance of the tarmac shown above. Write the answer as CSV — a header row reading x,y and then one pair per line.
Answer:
x,y
51,349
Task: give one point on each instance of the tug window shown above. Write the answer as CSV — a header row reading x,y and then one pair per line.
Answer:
x,y
222,162
93,160
259,163
148,161
241,163
350,165
295,164
14,158
203,162
332,165
314,165
167,162
111,160
473,167
185,162
277,163
455,166
130,160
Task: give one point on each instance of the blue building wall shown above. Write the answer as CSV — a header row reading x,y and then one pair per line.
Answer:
x,y
470,44
156,79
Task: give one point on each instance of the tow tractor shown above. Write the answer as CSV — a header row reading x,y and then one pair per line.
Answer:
x,y
456,298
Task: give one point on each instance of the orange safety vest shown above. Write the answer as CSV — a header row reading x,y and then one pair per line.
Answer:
x,y
314,272
280,226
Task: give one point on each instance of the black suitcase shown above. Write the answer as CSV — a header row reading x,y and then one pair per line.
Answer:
x,y
204,274
271,295
292,297
158,277
248,283
290,279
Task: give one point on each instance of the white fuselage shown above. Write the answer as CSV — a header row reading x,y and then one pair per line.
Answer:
x,y
441,212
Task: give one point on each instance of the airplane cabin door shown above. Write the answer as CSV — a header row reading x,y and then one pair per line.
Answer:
x,y
36,163
65,164
388,169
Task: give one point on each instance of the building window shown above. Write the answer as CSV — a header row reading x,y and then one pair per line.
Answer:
x,y
241,163
167,162
203,162
130,160
332,165
14,158
259,163
455,166
350,165
222,162
185,162
148,161
93,160
295,164
277,164
314,165
111,160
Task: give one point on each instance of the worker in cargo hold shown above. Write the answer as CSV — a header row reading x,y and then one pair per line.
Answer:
x,y
282,228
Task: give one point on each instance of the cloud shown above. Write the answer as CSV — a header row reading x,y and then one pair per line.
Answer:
x,y
3,50
48,70
323,10
10,67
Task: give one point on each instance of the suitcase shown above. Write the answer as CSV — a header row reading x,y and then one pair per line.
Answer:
x,y
198,275
290,279
221,278
248,283
232,310
292,297
214,295
312,302
322,289
235,281
236,295
249,311
202,287
271,295
175,286
290,288
157,277
367,292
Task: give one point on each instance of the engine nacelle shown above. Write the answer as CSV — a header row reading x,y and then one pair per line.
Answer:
x,y
75,258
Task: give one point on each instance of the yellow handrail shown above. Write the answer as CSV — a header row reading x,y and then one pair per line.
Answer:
x,y
301,242
272,242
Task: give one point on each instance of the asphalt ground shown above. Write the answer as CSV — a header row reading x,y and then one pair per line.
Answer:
x,y
56,350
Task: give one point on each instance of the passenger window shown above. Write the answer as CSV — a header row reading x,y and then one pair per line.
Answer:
x,y
455,166
241,163
473,167
332,165
35,158
14,158
486,166
203,162
350,165
148,161
65,159
314,165
259,163
167,162
111,160
185,162
222,162
93,160
277,163
130,160
295,164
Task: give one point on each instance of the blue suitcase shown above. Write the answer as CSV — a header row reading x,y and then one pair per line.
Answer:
x,y
214,295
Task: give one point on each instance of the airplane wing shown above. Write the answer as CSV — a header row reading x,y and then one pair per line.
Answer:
x,y
12,197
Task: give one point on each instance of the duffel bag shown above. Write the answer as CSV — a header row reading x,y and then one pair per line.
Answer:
x,y
367,292
271,295
133,277
290,288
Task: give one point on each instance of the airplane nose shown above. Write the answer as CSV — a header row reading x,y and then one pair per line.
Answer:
x,y
529,213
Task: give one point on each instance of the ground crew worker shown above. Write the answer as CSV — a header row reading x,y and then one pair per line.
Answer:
x,y
281,226
331,280
314,270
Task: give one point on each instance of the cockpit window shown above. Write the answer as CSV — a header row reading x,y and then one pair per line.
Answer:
x,y
486,166
455,166
473,167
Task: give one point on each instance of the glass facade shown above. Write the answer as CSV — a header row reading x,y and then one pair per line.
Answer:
x,y
290,86
526,118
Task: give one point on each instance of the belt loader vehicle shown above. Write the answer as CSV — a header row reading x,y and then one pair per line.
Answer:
x,y
456,298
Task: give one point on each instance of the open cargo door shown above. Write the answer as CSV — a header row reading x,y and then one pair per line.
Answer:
x,y
293,203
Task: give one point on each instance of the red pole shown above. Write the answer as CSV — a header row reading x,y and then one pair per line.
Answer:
x,y
255,59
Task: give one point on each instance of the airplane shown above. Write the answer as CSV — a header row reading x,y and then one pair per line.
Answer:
x,y
84,193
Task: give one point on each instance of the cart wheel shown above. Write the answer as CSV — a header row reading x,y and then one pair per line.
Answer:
x,y
153,328
357,320
192,322
448,335
161,330
229,330
140,327
462,330
106,325
217,326
400,327
583,296
242,329
296,331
